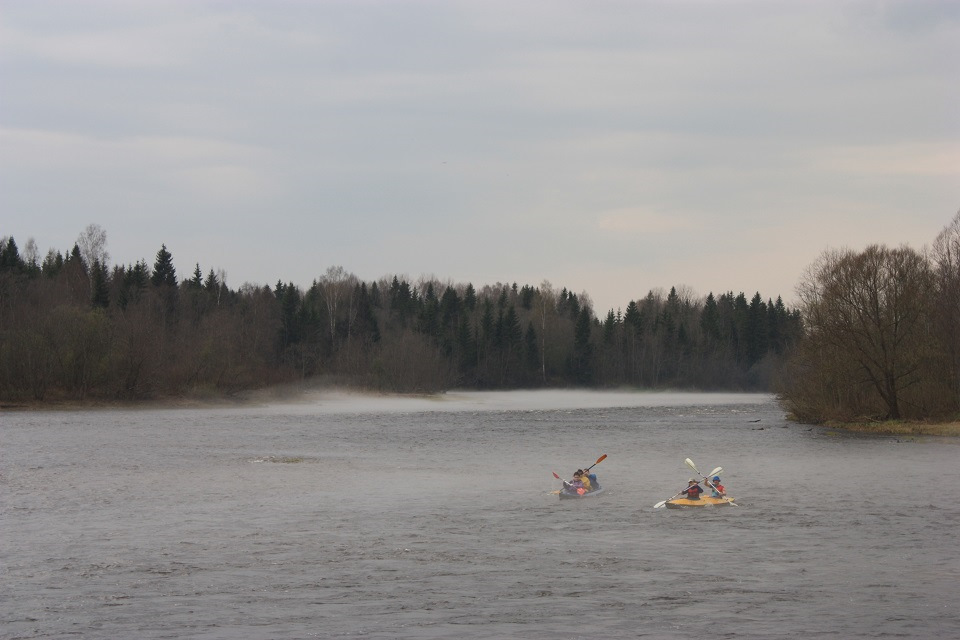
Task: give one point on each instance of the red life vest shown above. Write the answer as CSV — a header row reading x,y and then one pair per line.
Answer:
x,y
693,493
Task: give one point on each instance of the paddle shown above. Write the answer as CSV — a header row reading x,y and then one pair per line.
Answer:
x,y
690,464
663,502
599,460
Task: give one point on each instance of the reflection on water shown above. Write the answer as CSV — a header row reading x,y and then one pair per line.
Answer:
x,y
378,517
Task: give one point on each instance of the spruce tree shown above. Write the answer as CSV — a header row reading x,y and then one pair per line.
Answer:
x,y
531,348
163,271
10,256
470,298
582,349
367,328
210,284
99,285
196,282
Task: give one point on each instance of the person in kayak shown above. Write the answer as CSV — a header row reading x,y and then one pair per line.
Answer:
x,y
594,483
717,489
575,485
693,490
584,479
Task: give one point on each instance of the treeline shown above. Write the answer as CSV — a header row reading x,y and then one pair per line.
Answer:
x,y
72,328
882,335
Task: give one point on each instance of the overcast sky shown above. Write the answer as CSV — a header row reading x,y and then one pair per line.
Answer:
x,y
607,147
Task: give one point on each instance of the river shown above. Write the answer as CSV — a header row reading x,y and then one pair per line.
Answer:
x,y
343,516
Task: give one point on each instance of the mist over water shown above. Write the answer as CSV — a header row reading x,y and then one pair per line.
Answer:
x,y
344,516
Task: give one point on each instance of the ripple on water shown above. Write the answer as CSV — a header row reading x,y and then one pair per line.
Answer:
x,y
438,523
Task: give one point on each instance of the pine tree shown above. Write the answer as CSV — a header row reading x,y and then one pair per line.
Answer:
x,y
163,271
290,302
429,320
470,298
710,318
512,332
196,283
211,285
527,294
366,323
531,348
99,285
10,256
449,309
757,327
609,328
582,349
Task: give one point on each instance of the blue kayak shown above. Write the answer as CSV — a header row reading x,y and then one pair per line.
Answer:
x,y
566,494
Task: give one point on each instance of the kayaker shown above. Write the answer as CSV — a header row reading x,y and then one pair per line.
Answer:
x,y
718,490
693,490
576,485
584,479
593,481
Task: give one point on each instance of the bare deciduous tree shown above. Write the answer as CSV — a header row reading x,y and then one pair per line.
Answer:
x,y
871,309
93,245
946,264
335,285
548,308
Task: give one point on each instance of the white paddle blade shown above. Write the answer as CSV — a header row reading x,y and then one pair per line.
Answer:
x,y
659,504
690,464
715,472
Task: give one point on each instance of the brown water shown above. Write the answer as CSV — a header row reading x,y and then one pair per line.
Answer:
x,y
345,517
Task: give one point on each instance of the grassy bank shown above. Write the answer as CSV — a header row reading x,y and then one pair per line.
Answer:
x,y
900,427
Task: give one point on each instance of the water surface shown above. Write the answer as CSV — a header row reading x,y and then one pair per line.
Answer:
x,y
349,517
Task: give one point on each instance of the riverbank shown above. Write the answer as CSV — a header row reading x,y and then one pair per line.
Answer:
x,y
900,427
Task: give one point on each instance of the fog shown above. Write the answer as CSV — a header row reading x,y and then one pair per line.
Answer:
x,y
341,401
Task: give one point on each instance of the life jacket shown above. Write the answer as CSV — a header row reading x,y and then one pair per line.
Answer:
x,y
718,490
693,493
575,486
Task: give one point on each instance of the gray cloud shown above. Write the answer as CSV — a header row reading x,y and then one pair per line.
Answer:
x,y
609,147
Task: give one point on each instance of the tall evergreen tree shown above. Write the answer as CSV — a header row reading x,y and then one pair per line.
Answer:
x,y
211,284
366,323
429,321
527,294
582,349
99,285
757,326
449,309
710,318
290,303
531,349
10,256
470,297
164,272
196,282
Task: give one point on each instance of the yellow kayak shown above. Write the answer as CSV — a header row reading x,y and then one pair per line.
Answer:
x,y
680,503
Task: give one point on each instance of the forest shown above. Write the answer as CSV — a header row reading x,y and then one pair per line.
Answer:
x,y
876,335
72,328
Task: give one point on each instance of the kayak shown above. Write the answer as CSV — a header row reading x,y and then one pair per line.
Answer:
x,y
589,494
680,503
